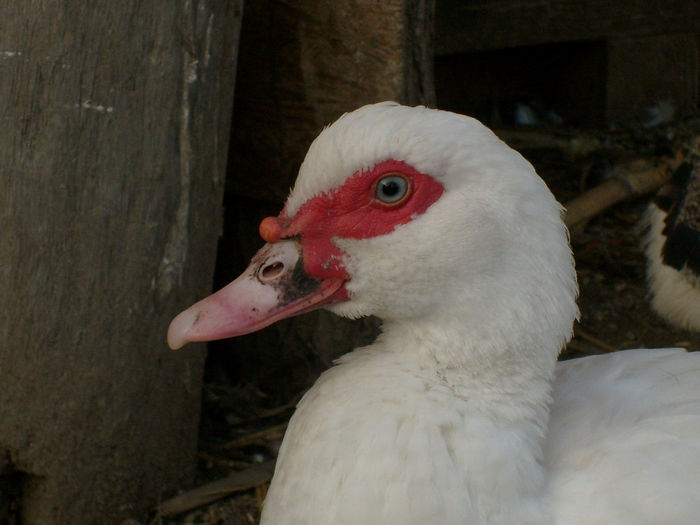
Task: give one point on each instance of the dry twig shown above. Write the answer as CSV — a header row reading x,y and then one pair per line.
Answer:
x,y
236,482
578,331
632,179
267,434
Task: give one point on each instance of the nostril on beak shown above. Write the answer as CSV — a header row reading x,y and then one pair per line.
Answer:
x,y
271,271
276,261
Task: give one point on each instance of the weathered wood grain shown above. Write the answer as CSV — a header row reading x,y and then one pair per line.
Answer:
x,y
114,120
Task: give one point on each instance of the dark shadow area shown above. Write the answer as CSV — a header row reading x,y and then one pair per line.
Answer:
x,y
561,83
12,481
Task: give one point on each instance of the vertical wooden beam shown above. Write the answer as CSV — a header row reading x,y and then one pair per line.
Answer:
x,y
305,63
115,121
420,50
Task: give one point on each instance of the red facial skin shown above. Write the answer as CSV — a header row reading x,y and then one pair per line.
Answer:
x,y
313,274
350,211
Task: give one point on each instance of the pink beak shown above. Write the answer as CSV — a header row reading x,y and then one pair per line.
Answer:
x,y
274,286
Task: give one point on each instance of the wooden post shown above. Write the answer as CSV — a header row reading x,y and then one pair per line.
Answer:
x,y
305,63
115,117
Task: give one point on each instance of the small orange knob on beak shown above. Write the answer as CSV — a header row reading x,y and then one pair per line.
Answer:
x,y
270,229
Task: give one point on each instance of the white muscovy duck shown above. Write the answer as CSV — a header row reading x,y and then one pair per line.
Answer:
x,y
459,413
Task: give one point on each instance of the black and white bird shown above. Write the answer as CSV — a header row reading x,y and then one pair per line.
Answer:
x,y
459,413
672,246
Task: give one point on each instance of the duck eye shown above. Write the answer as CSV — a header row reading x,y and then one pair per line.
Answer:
x,y
391,189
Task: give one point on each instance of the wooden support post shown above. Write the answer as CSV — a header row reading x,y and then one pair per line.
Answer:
x,y
305,63
115,118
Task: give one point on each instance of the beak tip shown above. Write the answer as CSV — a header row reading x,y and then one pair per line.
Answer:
x,y
179,329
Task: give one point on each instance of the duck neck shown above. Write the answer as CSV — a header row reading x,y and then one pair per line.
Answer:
x,y
502,390
494,369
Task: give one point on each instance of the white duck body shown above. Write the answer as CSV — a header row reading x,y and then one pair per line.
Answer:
x,y
445,419
622,445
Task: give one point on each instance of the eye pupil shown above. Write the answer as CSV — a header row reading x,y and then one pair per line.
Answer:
x,y
391,189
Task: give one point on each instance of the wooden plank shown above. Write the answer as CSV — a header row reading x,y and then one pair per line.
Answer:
x,y
495,24
305,63
115,116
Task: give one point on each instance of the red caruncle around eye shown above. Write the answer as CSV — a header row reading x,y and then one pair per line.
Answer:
x,y
368,204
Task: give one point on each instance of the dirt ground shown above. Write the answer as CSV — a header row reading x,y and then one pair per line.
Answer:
x,y
237,431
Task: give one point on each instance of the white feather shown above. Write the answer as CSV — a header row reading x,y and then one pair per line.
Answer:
x,y
623,442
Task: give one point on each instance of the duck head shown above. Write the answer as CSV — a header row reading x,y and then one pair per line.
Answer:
x,y
406,213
